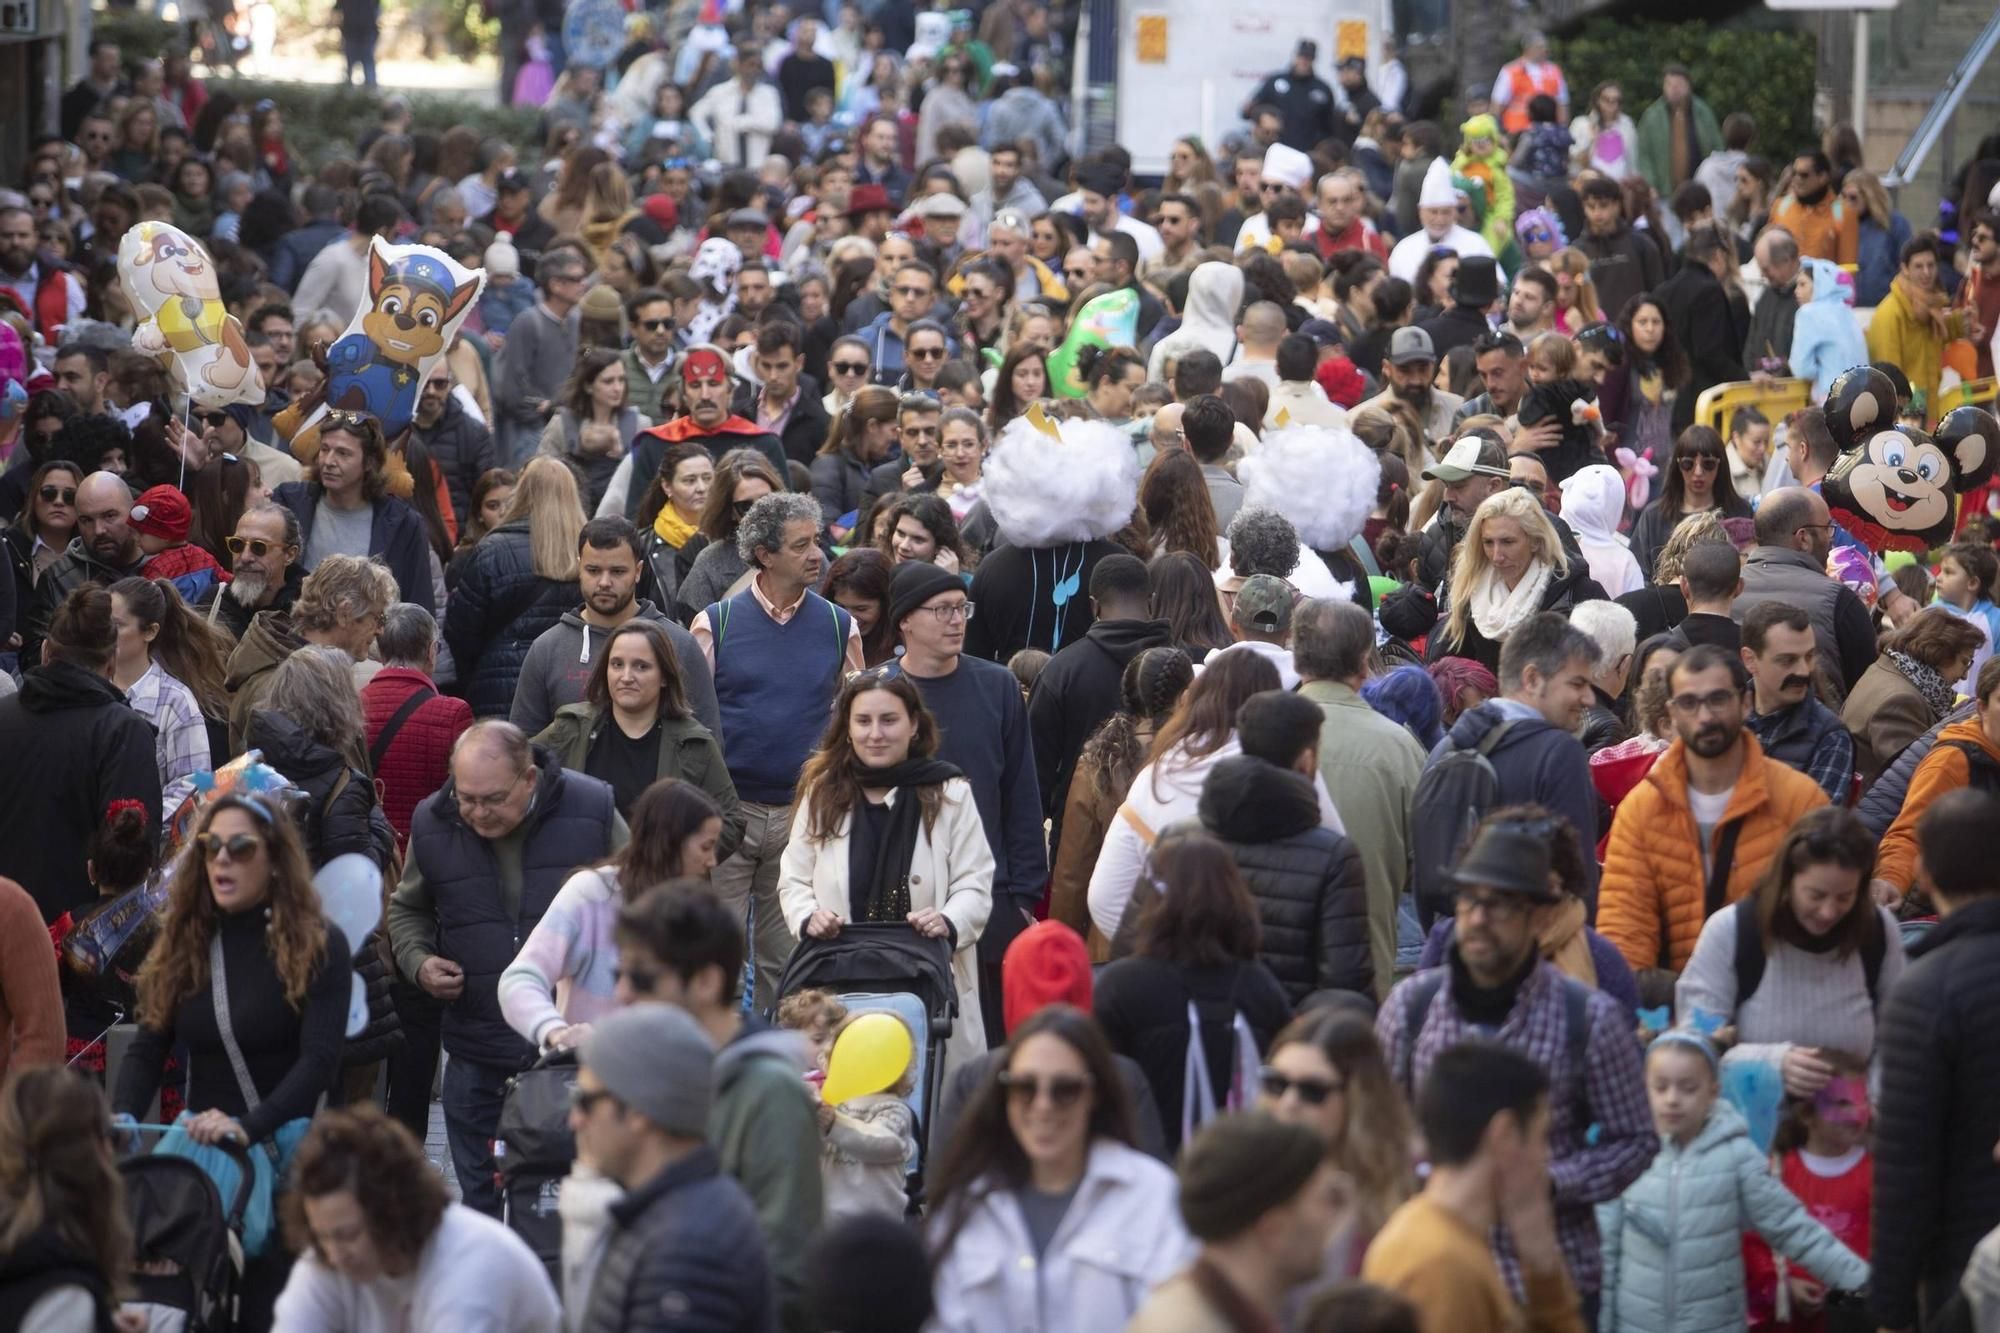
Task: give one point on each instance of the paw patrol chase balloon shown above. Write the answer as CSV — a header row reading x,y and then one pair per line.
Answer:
x,y
167,274
417,298
1894,487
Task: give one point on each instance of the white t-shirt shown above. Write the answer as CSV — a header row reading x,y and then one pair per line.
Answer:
x,y
1708,811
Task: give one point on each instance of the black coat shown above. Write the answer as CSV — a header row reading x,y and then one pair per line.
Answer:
x,y
1602,726
1456,326
341,819
1078,689
396,537
1312,900
72,747
498,610
1698,316
462,448
805,429
1937,1187
684,1251
73,569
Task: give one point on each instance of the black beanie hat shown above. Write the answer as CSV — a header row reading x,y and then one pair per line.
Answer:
x,y
868,1275
916,582
1240,1167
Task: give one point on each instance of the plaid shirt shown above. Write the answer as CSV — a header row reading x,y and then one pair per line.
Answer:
x,y
182,733
1832,761
1610,1091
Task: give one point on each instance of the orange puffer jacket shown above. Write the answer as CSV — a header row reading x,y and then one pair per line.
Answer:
x,y
1653,864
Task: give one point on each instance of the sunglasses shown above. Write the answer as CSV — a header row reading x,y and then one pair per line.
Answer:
x,y
914,293
241,847
1699,463
58,495
355,421
1312,1091
256,546
927,353
849,367
212,418
1063,1090
1271,187
585,1102
656,325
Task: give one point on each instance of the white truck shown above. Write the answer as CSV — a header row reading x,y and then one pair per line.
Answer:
x,y
1150,71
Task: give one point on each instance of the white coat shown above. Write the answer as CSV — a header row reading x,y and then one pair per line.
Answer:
x,y
951,870
1121,1237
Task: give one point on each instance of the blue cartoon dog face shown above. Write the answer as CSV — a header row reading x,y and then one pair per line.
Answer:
x,y
414,299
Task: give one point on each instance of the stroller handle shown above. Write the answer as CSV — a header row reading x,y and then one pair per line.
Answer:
x,y
237,1152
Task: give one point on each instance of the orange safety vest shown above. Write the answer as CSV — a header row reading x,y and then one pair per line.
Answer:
x,y
1520,87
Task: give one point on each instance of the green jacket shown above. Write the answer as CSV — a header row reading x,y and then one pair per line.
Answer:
x,y
763,1127
1371,766
687,752
1656,146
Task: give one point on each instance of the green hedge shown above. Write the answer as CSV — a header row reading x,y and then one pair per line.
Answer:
x,y
323,121
1766,72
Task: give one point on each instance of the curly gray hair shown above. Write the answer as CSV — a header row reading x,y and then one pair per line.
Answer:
x,y
1262,541
764,526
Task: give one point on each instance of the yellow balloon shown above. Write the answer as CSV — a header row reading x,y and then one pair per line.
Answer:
x,y
869,1055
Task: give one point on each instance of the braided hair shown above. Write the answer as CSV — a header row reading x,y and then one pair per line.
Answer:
x,y
1150,690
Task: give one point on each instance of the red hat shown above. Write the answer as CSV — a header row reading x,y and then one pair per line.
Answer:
x,y
661,210
163,512
866,199
1046,964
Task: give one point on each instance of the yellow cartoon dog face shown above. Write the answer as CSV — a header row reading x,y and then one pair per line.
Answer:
x,y
413,299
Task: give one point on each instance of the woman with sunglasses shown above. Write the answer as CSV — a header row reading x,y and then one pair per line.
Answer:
x,y
888,832
848,370
1193,960
250,977
1326,1071
1040,1182
1696,482
988,286
42,531
66,1249
742,478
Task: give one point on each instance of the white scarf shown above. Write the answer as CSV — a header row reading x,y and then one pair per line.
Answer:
x,y
1497,611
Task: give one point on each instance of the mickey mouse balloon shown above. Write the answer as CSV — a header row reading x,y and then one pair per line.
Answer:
x,y
1894,487
167,275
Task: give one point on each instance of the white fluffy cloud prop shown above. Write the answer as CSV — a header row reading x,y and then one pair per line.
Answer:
x,y
1323,479
1045,491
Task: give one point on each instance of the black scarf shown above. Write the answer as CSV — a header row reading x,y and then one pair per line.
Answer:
x,y
1488,1006
887,895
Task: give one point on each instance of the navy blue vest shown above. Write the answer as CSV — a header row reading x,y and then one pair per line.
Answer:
x,y
775,685
569,827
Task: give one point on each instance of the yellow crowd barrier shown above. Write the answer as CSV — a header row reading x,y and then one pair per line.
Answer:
x,y
1776,399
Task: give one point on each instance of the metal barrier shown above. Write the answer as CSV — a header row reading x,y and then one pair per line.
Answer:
x,y
1776,399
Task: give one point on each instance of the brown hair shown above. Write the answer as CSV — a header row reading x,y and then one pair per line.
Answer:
x,y
82,632
367,431
673,697
828,785
1176,502
679,452
1830,835
189,649
177,966
360,1151
1934,636
871,403
1206,718
718,516
804,1010
57,1171
667,814
1202,914
1374,1144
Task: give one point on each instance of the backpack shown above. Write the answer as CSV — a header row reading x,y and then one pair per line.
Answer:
x,y
1453,795
1198,1101
1423,989
1750,954
1982,771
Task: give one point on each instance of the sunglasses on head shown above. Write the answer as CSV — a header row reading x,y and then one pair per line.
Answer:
x,y
358,422
240,847
58,494
257,546
1063,1090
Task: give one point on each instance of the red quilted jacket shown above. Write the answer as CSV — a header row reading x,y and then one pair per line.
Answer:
x,y
419,757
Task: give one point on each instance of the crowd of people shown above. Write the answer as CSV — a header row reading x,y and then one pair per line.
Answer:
x,y
1406,823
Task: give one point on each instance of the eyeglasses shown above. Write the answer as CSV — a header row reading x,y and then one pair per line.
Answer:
x,y
1693,705
439,386
257,546
487,800
656,325
1499,908
241,847
1312,1091
1270,187
927,353
914,293
1803,527
58,495
213,418
848,367
949,612
1699,463
1063,1090
585,1101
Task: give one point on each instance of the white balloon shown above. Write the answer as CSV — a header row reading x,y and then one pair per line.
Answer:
x,y
350,893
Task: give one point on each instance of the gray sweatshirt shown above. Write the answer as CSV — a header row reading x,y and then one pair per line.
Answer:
x,y
559,664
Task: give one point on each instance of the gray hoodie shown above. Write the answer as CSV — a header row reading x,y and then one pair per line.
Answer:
x,y
560,661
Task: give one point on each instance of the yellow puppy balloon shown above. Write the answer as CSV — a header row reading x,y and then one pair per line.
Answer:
x,y
869,1055
170,278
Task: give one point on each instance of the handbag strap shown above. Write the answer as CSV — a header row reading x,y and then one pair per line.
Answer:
x,y
387,736
219,994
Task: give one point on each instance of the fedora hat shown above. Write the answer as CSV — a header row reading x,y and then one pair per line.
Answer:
x,y
1509,858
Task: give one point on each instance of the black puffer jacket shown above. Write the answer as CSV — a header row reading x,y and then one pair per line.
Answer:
x,y
1602,726
73,569
1938,1113
1312,899
462,448
498,610
341,818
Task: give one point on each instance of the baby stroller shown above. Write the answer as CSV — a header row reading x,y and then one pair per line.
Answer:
x,y
888,966
534,1149
186,1256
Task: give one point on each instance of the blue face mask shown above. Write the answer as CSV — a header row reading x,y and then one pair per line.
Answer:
x,y
12,400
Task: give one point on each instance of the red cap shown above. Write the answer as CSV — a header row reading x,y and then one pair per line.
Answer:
x,y
870,198
163,512
661,210
1046,964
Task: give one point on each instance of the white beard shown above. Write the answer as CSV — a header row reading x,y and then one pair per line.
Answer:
x,y
248,589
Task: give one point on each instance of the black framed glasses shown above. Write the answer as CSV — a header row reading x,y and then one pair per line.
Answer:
x,y
585,1101
944,615
1499,907
656,325
212,418
848,367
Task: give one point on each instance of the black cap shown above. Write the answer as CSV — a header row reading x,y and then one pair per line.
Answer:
x,y
1308,48
511,181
